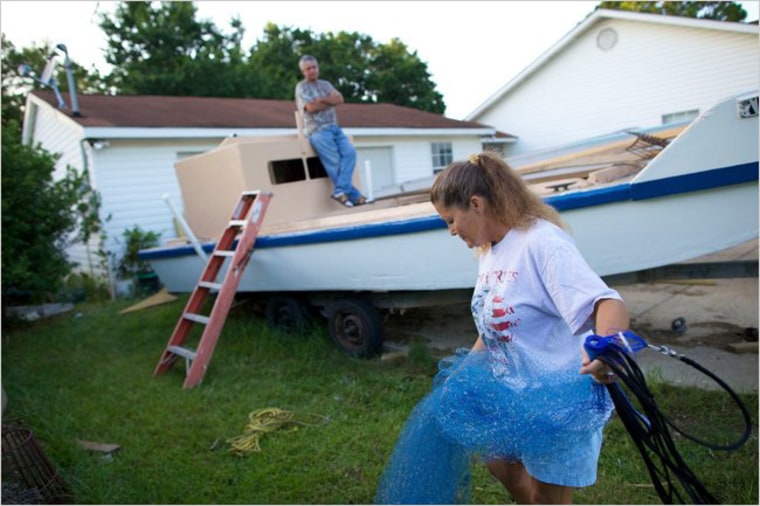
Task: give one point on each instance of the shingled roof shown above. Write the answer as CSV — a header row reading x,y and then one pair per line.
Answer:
x,y
213,112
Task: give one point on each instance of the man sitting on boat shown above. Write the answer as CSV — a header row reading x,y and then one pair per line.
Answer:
x,y
316,100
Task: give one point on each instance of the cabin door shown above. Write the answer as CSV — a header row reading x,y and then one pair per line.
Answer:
x,y
381,162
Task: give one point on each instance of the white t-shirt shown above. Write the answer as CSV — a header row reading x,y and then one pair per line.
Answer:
x,y
533,302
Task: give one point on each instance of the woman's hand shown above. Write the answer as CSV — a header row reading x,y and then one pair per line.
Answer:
x,y
600,371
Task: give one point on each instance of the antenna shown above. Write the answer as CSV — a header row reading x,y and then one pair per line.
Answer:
x,y
70,79
48,78
48,73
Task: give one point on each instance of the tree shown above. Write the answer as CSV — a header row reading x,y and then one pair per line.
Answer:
x,y
402,79
38,216
720,11
361,69
159,48
15,87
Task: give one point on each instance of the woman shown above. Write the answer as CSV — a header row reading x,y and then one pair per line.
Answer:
x,y
522,398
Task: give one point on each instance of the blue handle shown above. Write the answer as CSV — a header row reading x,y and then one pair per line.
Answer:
x,y
623,342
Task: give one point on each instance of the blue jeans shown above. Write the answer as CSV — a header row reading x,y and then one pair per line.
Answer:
x,y
338,157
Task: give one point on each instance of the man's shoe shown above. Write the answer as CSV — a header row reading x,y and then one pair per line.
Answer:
x,y
343,199
361,201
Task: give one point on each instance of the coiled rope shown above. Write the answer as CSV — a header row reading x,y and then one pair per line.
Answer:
x,y
671,476
267,420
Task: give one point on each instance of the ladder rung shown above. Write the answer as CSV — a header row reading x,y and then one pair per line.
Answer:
x,y
210,285
182,352
196,318
224,253
237,223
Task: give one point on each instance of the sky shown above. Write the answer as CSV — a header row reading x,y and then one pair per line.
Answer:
x,y
471,48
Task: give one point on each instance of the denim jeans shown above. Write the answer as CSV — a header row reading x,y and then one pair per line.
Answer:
x,y
338,157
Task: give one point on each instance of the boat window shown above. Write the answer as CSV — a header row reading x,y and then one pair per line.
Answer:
x,y
316,169
292,170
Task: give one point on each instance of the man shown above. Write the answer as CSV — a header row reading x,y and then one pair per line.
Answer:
x,y
316,100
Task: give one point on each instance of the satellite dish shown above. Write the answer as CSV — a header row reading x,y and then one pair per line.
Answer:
x,y
24,70
48,73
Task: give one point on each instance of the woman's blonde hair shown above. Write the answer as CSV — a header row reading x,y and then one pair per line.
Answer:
x,y
510,201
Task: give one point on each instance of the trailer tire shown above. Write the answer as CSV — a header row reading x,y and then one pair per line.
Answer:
x,y
356,327
286,314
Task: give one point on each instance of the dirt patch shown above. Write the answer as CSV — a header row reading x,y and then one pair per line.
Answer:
x,y
449,327
712,344
443,328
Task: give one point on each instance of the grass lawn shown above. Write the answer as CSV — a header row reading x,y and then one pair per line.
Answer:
x,y
87,375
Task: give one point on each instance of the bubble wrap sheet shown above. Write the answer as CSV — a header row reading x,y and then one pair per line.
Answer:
x,y
470,414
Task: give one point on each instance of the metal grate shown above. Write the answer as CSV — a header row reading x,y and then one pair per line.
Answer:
x,y
28,475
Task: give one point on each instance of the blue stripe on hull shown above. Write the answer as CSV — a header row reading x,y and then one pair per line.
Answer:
x,y
639,191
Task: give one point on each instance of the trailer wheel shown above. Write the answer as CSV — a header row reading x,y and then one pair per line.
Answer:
x,y
356,327
286,314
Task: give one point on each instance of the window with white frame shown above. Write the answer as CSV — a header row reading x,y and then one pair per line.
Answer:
x,y
442,155
677,117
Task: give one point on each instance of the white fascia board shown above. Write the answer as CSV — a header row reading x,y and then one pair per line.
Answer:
x,y
180,133
205,133
591,20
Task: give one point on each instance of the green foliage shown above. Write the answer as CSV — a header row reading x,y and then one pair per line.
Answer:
x,y
80,286
720,11
39,214
15,87
363,70
135,239
87,375
159,48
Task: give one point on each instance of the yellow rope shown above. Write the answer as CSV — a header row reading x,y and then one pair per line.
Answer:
x,y
264,421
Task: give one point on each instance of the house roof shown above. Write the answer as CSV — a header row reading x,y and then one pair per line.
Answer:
x,y
133,111
596,17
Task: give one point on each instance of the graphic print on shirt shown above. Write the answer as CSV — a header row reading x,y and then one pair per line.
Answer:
x,y
496,318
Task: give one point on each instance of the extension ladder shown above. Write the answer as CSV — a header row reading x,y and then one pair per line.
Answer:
x,y
236,242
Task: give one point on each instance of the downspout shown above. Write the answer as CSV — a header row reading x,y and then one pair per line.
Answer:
x,y
109,270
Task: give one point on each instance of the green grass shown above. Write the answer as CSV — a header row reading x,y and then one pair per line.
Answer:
x,y
87,375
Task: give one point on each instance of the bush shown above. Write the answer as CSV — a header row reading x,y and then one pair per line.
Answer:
x,y
38,215
80,287
136,239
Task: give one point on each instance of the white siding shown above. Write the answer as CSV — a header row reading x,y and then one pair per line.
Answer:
x,y
59,135
132,178
412,157
653,70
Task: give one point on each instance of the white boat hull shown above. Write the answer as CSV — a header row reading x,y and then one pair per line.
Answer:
x,y
614,238
688,202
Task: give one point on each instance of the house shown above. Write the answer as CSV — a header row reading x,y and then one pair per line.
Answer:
x,y
129,145
620,70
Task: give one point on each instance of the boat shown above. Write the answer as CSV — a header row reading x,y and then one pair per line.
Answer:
x,y
640,201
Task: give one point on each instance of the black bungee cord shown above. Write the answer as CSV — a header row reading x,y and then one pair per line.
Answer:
x,y
649,429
